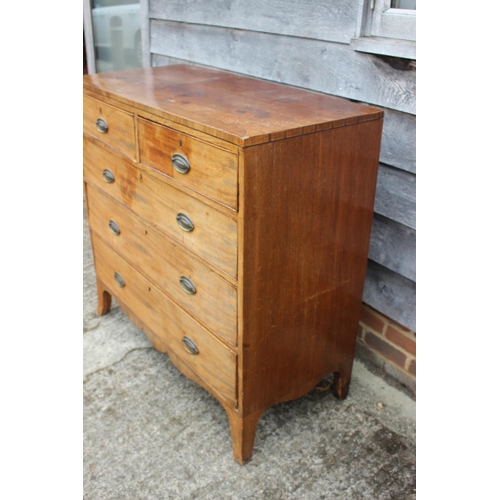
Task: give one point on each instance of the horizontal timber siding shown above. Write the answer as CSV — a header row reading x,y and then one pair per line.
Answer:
x,y
393,246
318,19
386,290
396,195
306,44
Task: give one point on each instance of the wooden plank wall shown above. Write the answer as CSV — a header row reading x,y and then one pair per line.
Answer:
x,y
305,43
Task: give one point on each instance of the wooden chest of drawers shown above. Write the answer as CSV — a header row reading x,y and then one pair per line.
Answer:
x,y
230,219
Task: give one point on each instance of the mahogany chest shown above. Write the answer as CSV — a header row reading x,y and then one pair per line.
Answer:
x,y
230,218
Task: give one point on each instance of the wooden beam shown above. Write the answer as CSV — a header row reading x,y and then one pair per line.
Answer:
x,y
317,19
393,246
396,195
391,294
399,140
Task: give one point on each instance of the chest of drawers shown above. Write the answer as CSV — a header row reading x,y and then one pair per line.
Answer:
x,y
230,219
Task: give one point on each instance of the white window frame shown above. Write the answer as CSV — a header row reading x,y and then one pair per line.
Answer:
x,y
383,30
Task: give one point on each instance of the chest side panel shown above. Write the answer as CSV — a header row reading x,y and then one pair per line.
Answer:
x,y
307,211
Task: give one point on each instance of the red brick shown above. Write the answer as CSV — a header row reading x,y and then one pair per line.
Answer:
x,y
372,321
360,332
401,340
387,350
413,367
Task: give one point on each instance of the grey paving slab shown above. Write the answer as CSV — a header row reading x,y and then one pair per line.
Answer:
x,y
150,433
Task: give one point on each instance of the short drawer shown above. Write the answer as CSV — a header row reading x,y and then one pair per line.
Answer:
x,y
202,292
210,170
208,357
203,230
109,124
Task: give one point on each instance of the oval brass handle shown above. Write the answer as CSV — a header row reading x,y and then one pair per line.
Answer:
x,y
187,285
113,226
180,163
189,345
109,177
119,280
185,222
101,125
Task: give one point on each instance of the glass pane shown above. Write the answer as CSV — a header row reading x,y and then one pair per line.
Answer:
x,y
117,34
404,4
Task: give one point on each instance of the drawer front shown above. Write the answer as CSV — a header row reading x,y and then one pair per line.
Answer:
x,y
207,169
214,362
213,235
166,264
110,125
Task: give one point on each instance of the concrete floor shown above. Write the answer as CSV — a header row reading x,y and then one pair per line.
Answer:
x,y
150,433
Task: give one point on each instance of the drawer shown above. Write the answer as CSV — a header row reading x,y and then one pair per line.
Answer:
x,y
209,170
214,362
164,262
213,235
116,128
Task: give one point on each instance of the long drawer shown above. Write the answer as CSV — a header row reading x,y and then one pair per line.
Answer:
x,y
203,230
184,336
210,170
202,292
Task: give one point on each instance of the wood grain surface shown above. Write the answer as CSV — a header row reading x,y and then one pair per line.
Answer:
x,y
303,263
212,171
163,262
318,19
238,109
393,246
215,363
214,236
284,259
121,128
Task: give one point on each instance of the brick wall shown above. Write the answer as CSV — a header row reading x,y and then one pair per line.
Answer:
x,y
388,345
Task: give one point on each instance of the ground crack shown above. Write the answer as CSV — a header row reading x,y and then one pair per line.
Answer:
x,y
86,379
92,328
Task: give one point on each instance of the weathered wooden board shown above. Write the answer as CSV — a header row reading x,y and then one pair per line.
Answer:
x,y
399,140
398,135
393,246
391,294
318,19
146,48
327,67
385,46
89,36
159,60
396,195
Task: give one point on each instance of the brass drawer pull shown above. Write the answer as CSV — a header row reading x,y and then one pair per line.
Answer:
x,y
180,163
109,177
184,221
119,280
189,345
101,125
113,226
187,285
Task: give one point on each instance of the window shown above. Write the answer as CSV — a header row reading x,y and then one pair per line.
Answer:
x,y
386,27
113,34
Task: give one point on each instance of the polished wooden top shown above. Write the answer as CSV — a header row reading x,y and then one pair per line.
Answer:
x,y
236,108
